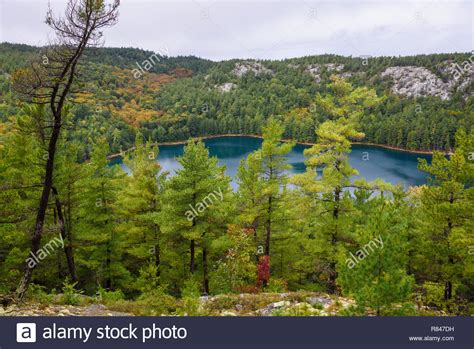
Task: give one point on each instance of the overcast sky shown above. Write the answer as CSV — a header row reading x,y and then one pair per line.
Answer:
x,y
225,29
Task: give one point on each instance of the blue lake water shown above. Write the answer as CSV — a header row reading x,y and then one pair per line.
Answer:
x,y
389,165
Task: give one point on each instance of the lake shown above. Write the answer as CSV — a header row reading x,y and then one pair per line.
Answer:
x,y
390,165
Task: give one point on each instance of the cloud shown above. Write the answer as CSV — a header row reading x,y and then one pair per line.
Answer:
x,y
268,29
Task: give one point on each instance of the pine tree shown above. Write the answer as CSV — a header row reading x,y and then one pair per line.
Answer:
x,y
24,155
327,199
139,205
373,272
68,173
195,207
262,178
50,84
273,177
446,218
101,246
21,159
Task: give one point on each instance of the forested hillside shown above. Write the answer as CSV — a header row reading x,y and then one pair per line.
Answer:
x,y
151,243
426,98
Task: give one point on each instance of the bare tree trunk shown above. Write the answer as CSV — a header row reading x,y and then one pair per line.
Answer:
x,y
255,237
448,287
334,240
108,279
60,267
448,290
43,205
157,259
68,250
192,252
157,252
51,84
268,226
205,271
192,247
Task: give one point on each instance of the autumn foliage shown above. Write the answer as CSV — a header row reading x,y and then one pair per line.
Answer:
x,y
263,270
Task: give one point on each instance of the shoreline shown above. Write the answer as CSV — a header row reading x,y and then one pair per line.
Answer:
x,y
418,151
403,150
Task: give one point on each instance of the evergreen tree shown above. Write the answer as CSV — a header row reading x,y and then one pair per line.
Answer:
x,y
101,246
68,173
195,208
139,205
446,219
263,196
50,84
330,153
374,271
21,158
274,178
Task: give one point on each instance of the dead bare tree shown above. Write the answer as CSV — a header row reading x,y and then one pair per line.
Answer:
x,y
50,83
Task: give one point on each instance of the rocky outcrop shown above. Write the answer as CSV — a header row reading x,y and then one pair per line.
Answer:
x,y
346,75
315,69
334,67
272,307
59,310
311,306
226,87
411,81
459,76
274,304
253,67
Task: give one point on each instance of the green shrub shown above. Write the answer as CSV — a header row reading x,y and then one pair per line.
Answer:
x,y
276,285
191,288
71,296
109,296
38,294
148,281
190,304
157,303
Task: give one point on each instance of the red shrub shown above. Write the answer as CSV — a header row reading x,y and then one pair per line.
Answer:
x,y
263,271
